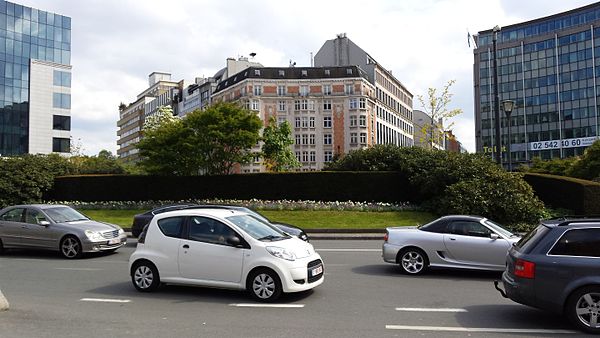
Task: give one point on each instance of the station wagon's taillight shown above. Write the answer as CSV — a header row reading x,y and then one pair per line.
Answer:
x,y
386,236
524,269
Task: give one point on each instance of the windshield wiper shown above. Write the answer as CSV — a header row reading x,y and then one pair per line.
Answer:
x,y
270,238
79,219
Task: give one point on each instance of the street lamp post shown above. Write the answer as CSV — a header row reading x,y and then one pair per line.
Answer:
x,y
507,106
496,99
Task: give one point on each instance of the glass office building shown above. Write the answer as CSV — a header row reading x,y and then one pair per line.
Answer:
x,y
551,68
35,80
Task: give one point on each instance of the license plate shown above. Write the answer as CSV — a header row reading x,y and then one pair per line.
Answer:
x,y
317,271
114,241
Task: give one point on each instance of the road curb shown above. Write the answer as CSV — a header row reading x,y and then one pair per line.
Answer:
x,y
3,302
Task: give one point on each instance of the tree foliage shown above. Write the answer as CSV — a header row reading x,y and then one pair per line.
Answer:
x,y
210,141
163,115
588,165
452,183
276,151
436,106
104,163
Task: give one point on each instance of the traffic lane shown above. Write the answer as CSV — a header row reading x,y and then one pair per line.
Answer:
x,y
358,298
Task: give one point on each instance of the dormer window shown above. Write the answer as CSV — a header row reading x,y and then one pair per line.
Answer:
x,y
282,73
257,72
305,73
349,71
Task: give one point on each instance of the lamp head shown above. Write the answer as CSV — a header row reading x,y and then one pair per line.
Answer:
x,y
508,106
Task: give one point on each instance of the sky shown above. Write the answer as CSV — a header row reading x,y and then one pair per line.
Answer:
x,y
116,44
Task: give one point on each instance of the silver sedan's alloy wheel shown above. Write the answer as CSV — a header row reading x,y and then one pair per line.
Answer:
x,y
588,310
412,262
263,286
143,277
70,247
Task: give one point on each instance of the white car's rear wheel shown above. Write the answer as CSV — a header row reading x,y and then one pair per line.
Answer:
x,y
413,261
144,276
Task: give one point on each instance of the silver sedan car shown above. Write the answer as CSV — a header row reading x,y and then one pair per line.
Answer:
x,y
469,242
56,227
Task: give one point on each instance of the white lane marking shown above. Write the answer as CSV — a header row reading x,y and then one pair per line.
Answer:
x,y
78,269
105,300
475,329
268,305
348,250
423,309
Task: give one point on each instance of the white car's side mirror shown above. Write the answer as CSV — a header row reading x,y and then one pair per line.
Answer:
x,y
494,236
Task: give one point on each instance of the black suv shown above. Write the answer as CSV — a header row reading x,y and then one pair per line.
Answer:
x,y
556,267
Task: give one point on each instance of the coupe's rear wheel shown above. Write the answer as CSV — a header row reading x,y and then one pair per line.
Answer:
x,y
583,309
144,276
70,247
264,285
413,261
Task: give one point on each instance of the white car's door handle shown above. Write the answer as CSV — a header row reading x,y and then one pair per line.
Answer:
x,y
452,239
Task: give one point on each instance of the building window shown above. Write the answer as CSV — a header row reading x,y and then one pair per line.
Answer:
x,y
304,139
257,90
281,72
304,90
281,105
362,121
311,122
349,71
349,89
62,79
304,72
60,122
326,121
255,105
327,72
304,122
304,105
326,104
298,156
353,103
311,139
281,90
326,89
313,156
297,138
363,138
60,100
281,120
61,145
353,138
257,72
362,103
352,120
328,156
297,104
297,122
327,139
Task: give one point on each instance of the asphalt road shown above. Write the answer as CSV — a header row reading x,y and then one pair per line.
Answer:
x,y
361,297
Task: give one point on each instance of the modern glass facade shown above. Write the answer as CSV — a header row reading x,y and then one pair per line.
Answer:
x,y
27,34
551,68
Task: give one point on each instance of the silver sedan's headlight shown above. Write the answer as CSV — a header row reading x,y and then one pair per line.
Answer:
x,y
281,253
121,231
94,236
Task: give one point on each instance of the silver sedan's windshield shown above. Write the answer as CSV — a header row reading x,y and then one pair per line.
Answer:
x,y
64,214
499,228
257,228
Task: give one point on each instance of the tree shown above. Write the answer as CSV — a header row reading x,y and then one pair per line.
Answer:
x,y
164,114
588,166
436,106
276,151
104,163
223,135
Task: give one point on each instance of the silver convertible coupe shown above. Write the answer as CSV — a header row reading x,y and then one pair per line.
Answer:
x,y
56,227
469,242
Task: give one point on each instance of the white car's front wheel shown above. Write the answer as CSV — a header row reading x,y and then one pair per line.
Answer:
x,y
264,285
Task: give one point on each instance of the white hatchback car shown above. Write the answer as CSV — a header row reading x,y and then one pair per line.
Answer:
x,y
225,249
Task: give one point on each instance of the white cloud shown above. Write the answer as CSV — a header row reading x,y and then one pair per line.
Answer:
x,y
117,43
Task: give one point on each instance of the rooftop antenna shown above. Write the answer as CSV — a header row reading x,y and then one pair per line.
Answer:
x,y
292,63
252,55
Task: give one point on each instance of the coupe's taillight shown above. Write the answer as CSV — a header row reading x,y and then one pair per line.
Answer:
x,y
524,269
386,236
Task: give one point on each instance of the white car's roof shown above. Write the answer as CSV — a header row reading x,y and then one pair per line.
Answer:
x,y
220,213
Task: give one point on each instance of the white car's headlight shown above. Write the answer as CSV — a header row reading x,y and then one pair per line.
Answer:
x,y
281,253
121,231
94,235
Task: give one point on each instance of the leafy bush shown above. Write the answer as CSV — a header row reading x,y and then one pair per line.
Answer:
x,y
588,166
556,166
453,183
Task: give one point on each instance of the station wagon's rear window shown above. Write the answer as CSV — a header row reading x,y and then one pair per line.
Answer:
x,y
578,242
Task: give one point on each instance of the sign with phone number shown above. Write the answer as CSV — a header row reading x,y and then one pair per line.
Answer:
x,y
567,143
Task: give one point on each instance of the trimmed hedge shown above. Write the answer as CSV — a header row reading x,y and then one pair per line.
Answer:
x,y
580,196
320,186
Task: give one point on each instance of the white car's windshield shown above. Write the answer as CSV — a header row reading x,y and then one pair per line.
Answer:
x,y
64,214
257,228
499,228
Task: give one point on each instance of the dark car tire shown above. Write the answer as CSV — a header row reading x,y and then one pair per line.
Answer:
x,y
70,247
412,261
577,300
264,285
145,277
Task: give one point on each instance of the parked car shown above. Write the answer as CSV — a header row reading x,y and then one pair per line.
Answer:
x,y
470,242
224,248
556,267
56,227
141,220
